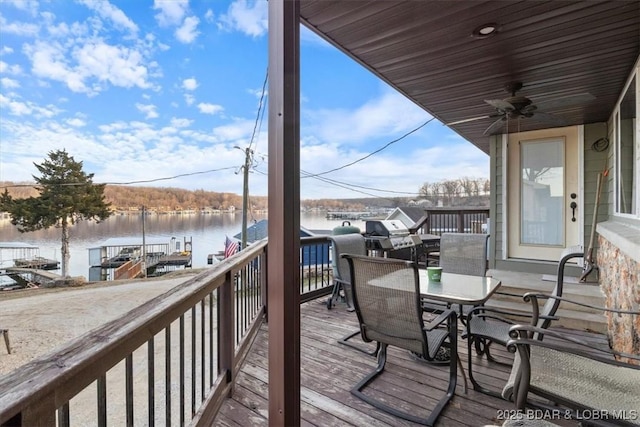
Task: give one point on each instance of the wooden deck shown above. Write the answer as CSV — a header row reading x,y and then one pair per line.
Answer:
x,y
329,370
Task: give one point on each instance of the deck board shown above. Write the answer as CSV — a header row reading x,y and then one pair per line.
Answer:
x,y
329,370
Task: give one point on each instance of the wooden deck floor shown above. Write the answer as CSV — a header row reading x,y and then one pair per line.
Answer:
x,y
329,370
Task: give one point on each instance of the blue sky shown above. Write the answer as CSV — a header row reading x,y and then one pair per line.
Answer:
x,y
145,90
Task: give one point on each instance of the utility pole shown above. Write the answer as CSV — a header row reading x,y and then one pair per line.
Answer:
x,y
245,194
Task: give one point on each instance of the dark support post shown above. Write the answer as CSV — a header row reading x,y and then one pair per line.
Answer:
x,y
284,213
226,333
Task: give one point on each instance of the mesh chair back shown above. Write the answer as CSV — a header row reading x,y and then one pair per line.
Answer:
x,y
386,297
345,244
464,253
551,305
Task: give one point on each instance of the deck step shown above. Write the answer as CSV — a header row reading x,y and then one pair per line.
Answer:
x,y
573,316
595,322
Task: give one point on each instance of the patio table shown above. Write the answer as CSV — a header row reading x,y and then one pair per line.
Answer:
x,y
458,288
461,289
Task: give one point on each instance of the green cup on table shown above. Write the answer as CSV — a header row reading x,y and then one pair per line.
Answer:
x,y
434,273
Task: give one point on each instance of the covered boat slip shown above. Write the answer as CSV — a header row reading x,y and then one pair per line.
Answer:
x,y
160,255
25,255
22,266
329,371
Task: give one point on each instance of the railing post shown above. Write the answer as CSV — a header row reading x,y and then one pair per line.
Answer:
x,y
264,284
226,344
41,414
460,221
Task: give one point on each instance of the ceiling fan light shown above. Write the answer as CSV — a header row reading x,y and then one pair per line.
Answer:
x,y
485,30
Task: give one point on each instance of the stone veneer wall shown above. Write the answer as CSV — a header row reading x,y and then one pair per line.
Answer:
x,y
619,275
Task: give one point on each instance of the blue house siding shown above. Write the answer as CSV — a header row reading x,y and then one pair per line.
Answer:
x,y
310,255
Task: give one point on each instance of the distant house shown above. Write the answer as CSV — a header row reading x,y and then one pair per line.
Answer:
x,y
409,215
311,255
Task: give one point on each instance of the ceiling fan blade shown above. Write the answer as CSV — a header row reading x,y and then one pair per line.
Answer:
x,y
472,119
500,104
495,126
551,119
566,101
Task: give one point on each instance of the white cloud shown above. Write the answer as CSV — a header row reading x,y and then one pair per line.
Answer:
x,y
10,69
209,16
108,11
189,99
180,122
30,6
18,28
190,84
6,50
391,115
249,17
188,32
76,122
8,83
19,108
96,63
171,11
206,108
148,109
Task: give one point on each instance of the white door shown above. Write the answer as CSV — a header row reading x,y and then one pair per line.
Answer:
x,y
544,206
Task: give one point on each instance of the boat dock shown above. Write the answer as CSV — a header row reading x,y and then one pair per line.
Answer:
x,y
128,258
26,277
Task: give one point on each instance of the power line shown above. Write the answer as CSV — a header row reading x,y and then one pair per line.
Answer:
x,y
64,184
348,186
329,180
378,150
258,116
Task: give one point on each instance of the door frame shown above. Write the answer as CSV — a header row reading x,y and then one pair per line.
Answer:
x,y
543,133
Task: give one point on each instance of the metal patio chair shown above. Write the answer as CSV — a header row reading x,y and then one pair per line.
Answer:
x,y
353,243
461,253
599,386
487,325
386,296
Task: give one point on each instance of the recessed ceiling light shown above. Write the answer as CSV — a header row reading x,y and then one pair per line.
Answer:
x,y
485,30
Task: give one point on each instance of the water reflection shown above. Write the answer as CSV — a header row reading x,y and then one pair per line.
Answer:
x,y
208,232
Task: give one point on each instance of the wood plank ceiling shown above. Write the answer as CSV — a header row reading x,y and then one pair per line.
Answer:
x,y
573,57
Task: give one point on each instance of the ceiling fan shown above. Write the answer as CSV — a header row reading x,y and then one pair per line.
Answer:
x,y
517,107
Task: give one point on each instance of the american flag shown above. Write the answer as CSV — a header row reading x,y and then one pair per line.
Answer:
x,y
230,247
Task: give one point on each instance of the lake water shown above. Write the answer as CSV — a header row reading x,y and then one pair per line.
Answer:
x,y
207,232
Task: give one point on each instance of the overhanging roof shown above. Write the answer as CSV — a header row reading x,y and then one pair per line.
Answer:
x,y
425,50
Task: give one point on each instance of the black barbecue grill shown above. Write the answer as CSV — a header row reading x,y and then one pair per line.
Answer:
x,y
389,235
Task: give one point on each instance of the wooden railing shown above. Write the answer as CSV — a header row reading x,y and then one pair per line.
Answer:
x,y
446,220
187,346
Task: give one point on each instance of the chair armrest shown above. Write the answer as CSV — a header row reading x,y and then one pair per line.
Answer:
x,y
442,317
495,314
535,296
521,334
571,372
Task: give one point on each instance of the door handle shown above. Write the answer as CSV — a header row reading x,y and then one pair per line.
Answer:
x,y
573,207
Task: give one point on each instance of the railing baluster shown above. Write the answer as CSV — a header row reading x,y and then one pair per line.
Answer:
x,y
63,415
211,340
102,400
167,375
202,351
129,388
182,370
193,360
151,369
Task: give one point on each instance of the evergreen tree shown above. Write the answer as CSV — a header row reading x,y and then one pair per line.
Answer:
x,y
67,195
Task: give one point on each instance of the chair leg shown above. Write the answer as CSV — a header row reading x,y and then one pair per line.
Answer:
x,y
482,347
5,334
344,341
334,295
432,418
